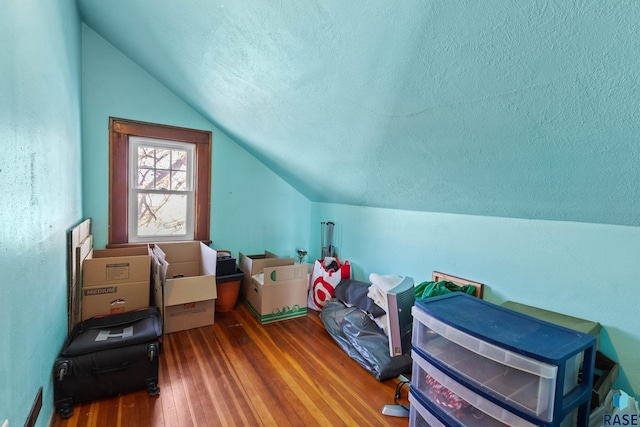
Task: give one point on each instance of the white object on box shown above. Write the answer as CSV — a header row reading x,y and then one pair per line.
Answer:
x,y
253,264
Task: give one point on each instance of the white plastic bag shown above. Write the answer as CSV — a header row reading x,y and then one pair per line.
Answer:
x,y
325,277
618,409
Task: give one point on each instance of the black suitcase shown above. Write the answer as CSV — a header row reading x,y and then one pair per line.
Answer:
x,y
106,356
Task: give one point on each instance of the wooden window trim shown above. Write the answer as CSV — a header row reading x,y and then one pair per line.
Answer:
x,y
119,132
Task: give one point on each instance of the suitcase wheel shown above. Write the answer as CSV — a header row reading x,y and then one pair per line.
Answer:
x,y
153,389
65,411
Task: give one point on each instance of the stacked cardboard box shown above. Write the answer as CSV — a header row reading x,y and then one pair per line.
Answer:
x,y
116,281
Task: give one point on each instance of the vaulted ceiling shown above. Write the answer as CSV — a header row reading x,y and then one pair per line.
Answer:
x,y
499,108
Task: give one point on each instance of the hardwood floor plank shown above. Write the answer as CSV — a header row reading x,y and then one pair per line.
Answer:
x,y
133,407
343,396
94,412
163,408
239,372
245,381
228,382
212,385
267,382
176,379
306,375
288,387
192,382
332,373
157,412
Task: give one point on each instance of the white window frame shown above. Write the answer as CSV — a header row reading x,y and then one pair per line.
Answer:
x,y
134,191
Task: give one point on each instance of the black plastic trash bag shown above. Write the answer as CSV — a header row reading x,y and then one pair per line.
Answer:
x,y
361,338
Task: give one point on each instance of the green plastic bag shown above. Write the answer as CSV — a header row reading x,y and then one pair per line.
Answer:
x,y
433,289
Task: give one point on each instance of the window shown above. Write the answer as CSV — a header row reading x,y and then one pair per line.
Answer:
x,y
160,190
159,183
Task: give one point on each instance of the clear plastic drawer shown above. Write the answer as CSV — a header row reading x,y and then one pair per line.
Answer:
x,y
522,382
466,406
419,416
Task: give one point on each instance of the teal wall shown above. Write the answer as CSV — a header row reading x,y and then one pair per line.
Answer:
x,y
40,132
252,209
584,270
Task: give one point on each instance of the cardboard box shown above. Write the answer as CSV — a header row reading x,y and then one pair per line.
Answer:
x,y
115,281
606,373
279,293
606,370
575,323
185,284
188,316
254,264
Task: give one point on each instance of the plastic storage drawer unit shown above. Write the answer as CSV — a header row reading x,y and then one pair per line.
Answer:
x,y
469,408
519,362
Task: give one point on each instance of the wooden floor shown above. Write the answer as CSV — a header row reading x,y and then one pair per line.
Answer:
x,y
240,373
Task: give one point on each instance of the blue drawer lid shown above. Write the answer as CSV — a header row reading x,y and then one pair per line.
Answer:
x,y
506,328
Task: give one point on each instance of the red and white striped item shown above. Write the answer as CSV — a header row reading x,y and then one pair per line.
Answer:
x,y
443,396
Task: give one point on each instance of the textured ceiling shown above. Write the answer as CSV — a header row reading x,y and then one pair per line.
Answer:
x,y
499,108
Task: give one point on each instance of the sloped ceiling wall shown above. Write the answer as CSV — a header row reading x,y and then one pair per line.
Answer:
x,y
512,109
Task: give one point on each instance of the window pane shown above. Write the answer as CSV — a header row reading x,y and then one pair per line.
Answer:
x,y
162,215
163,180
178,181
146,179
163,158
179,160
146,157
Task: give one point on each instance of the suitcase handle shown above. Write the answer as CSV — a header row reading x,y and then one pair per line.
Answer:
x,y
62,369
152,351
108,319
109,369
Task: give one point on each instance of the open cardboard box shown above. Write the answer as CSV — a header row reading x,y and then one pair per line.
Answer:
x,y
279,293
606,370
575,323
185,284
606,373
254,264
